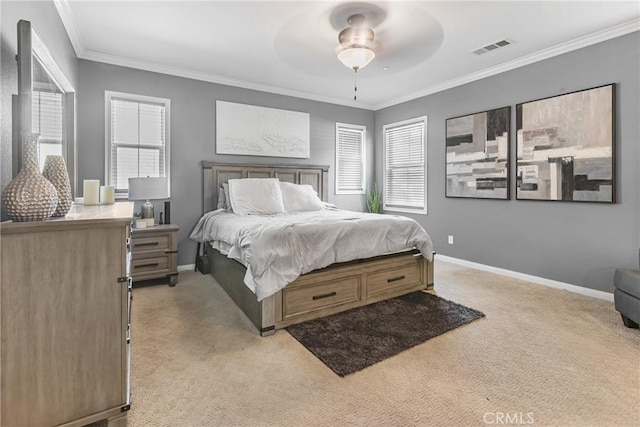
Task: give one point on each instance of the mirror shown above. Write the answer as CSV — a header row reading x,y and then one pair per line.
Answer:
x,y
47,113
45,103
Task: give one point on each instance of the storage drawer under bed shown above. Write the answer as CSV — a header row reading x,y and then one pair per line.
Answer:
x,y
304,299
392,279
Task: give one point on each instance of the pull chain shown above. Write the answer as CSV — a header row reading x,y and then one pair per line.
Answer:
x,y
355,86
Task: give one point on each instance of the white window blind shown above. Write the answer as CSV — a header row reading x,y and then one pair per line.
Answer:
x,y
350,177
405,166
137,139
47,119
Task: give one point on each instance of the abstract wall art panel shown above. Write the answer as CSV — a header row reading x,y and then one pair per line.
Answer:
x,y
565,147
250,130
478,155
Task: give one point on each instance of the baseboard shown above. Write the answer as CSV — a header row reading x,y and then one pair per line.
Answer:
x,y
187,267
529,278
504,272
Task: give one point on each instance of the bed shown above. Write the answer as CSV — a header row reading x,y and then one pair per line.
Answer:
x,y
337,287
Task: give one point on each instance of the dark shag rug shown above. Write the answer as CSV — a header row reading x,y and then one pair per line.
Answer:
x,y
355,339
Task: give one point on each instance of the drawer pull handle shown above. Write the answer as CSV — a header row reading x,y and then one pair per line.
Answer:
x,y
330,294
395,279
146,244
154,264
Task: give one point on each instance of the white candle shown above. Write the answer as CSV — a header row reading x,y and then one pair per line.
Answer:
x,y
107,194
91,191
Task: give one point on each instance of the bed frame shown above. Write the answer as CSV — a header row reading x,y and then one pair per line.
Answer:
x,y
321,292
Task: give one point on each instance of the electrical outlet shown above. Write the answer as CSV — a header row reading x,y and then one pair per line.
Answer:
x,y
450,240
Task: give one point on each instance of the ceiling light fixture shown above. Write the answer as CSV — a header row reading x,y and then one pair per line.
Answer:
x,y
356,46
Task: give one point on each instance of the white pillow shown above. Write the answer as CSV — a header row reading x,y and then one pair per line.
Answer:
x,y
299,198
255,196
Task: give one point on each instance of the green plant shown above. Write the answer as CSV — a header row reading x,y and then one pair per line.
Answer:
x,y
373,199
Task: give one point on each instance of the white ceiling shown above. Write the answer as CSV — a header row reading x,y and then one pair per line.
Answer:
x,y
289,47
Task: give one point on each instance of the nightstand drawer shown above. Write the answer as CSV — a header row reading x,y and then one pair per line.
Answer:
x,y
156,242
154,253
152,265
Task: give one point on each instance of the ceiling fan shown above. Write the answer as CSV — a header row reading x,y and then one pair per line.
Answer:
x,y
373,39
357,46
357,43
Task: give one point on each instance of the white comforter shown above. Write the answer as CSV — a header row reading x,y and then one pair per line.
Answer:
x,y
278,248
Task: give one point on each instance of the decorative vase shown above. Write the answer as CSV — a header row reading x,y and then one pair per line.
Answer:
x,y
55,170
29,196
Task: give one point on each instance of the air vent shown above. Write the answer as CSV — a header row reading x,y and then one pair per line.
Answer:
x,y
492,46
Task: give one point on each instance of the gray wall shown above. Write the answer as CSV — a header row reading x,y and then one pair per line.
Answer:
x,y
573,243
577,243
46,21
193,133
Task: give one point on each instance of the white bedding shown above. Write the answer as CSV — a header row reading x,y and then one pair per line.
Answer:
x,y
278,248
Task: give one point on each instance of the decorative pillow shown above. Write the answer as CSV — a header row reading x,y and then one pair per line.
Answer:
x,y
227,200
299,198
255,196
222,200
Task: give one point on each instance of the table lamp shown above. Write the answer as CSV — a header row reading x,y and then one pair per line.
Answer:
x,y
148,189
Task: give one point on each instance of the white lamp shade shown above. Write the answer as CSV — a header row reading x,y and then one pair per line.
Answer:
x,y
356,57
148,188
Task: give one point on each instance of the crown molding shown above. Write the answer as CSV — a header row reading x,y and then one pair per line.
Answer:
x,y
70,25
69,22
212,78
40,50
575,44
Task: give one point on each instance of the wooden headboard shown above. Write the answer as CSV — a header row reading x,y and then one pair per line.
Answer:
x,y
216,174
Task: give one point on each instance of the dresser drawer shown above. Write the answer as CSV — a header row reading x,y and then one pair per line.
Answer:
x,y
304,299
393,279
157,265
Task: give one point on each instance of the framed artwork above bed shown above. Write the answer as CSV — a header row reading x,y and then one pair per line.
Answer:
x,y
565,147
478,155
249,130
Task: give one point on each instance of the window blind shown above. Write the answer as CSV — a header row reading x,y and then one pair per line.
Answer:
x,y
404,188
138,141
47,119
350,177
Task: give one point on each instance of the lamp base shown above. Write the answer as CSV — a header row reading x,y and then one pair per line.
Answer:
x,y
147,210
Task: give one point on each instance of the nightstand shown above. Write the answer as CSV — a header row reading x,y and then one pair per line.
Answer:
x,y
154,253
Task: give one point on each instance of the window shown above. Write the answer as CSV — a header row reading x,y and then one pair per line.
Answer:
x,y
47,120
137,139
350,178
405,166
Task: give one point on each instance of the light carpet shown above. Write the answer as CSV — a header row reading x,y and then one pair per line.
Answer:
x,y
542,355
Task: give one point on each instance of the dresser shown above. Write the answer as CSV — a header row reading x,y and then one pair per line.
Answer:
x,y
65,318
154,253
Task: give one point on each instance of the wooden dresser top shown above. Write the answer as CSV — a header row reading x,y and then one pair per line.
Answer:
x,y
80,216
